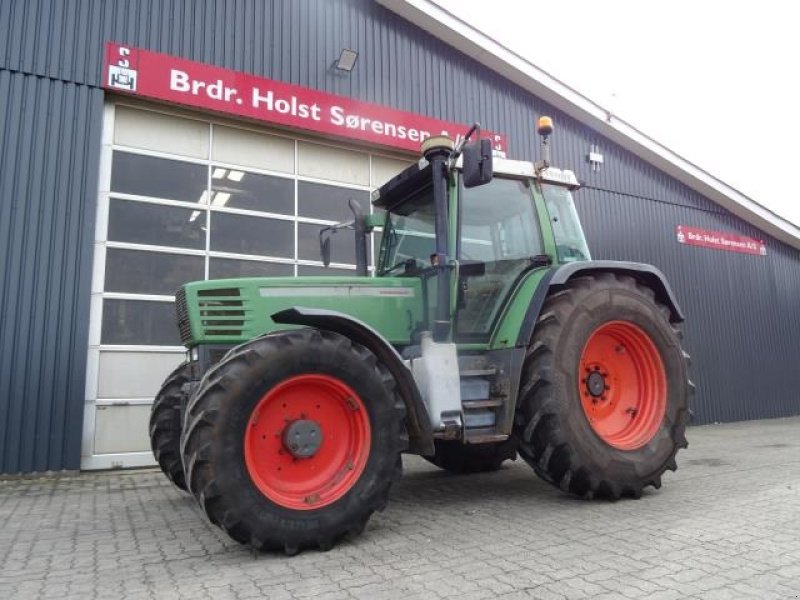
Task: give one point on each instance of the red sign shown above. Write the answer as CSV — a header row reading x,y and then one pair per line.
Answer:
x,y
694,236
164,77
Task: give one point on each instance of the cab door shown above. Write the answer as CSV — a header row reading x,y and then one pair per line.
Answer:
x,y
498,228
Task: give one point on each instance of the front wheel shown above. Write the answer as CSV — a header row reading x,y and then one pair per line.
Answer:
x,y
603,405
294,440
165,425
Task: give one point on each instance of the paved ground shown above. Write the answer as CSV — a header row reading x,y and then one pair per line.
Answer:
x,y
725,525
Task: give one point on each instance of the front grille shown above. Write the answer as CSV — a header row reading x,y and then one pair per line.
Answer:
x,y
222,312
182,311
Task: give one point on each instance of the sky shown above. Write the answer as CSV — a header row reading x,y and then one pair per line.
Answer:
x,y
716,82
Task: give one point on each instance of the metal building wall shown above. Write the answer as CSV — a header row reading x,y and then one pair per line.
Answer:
x,y
49,141
743,330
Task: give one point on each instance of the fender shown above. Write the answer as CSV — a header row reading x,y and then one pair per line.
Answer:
x,y
646,274
420,437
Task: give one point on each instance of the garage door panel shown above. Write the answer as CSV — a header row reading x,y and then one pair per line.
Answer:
x,y
335,164
121,428
247,148
155,131
383,169
134,374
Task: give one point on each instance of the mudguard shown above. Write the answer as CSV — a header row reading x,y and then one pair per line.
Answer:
x,y
420,437
646,274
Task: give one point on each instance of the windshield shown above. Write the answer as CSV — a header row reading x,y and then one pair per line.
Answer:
x,y
408,236
570,241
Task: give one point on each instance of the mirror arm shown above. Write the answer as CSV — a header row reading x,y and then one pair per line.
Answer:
x,y
451,163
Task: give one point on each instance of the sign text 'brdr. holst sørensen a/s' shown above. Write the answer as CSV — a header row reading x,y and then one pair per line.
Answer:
x,y
164,77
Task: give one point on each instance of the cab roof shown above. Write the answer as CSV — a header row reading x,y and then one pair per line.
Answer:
x,y
417,177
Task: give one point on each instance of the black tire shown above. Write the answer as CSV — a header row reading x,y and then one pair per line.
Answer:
x,y
218,414
165,425
456,457
553,431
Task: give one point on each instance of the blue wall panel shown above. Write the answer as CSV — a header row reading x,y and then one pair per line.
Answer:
x,y
49,143
743,325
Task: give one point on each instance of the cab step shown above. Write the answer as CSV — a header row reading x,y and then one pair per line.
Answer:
x,y
485,403
478,372
483,435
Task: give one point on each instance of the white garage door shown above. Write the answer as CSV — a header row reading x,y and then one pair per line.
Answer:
x,y
184,198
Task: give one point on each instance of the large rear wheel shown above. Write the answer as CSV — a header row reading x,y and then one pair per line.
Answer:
x,y
165,425
603,401
294,440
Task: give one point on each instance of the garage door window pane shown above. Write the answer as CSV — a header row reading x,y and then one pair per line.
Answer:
x,y
144,223
158,177
317,201
241,234
342,244
139,322
136,272
228,268
237,189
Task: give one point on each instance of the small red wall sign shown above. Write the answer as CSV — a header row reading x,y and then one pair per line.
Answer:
x,y
719,240
164,77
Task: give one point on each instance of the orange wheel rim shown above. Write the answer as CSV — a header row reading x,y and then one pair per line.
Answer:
x,y
307,441
623,385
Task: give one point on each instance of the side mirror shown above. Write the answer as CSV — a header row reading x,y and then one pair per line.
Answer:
x,y
478,168
325,245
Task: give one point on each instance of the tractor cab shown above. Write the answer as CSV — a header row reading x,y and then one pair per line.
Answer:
x,y
494,222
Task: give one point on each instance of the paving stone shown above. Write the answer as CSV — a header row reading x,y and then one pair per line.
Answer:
x,y
715,532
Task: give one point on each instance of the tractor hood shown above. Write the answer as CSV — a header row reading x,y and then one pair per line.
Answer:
x,y
231,311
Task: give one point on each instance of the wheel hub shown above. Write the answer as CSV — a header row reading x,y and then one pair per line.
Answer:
x,y
596,384
289,458
302,438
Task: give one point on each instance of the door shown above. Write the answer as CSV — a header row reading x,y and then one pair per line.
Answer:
x,y
497,227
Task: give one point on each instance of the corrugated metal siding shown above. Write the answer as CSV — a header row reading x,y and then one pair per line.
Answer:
x,y
742,328
49,144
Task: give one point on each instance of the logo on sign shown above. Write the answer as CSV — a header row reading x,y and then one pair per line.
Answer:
x,y
120,75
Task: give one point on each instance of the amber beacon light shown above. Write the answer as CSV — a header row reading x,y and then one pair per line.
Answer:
x,y
544,126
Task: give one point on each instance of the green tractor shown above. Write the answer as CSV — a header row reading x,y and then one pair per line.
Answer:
x,y
486,331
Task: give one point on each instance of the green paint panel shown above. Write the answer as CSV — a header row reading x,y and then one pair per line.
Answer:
x,y
505,336
230,311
